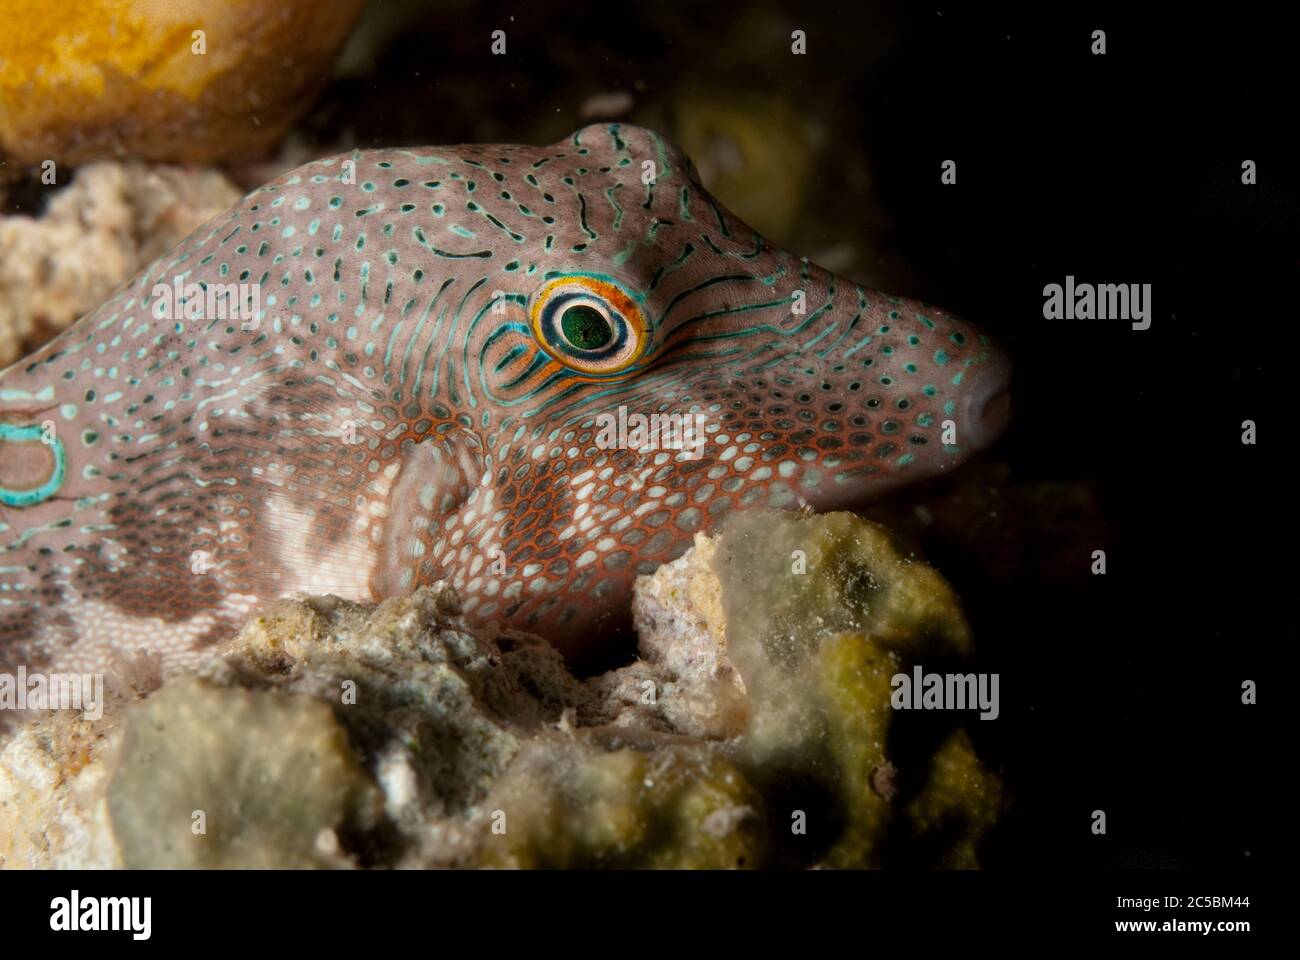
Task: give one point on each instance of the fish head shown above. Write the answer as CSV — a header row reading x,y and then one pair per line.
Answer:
x,y
657,301
666,364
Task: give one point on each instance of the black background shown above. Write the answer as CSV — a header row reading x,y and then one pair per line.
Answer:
x,y
1127,167
1126,697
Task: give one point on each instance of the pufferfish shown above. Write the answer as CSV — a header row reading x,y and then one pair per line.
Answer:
x,y
447,349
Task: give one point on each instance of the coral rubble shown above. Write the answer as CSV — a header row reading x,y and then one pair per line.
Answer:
x,y
755,730
96,233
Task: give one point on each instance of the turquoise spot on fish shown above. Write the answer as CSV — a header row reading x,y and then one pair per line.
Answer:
x,y
28,491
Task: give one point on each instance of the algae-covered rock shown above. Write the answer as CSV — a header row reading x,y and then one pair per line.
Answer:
x,y
326,733
821,613
853,673
579,804
790,579
212,776
815,615
437,709
959,804
756,730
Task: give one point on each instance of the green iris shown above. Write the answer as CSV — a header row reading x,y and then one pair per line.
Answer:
x,y
586,328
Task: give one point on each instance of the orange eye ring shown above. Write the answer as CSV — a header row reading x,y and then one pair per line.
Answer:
x,y
589,323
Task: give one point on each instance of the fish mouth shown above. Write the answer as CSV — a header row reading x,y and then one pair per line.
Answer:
x,y
987,409
993,417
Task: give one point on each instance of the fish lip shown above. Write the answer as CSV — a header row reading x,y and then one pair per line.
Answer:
x,y
988,408
997,411
999,406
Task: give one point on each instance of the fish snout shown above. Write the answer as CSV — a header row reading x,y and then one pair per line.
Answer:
x,y
986,407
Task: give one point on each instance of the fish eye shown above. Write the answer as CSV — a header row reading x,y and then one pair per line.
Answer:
x,y
590,324
586,327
